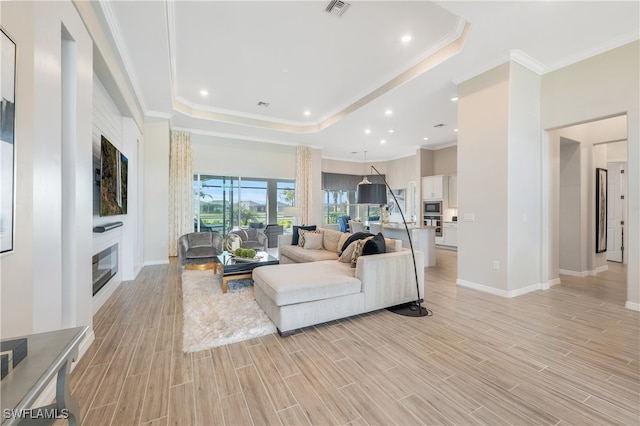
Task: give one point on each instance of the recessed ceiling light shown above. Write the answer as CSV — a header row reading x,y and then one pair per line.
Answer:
x,y
455,130
203,93
388,112
367,131
425,139
455,98
406,38
307,113
383,141
390,131
285,69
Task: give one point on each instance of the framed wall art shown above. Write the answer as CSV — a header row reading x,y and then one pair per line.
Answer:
x,y
601,210
7,139
393,207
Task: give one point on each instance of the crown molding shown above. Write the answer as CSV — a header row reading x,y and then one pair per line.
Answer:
x,y
171,45
158,114
262,118
445,49
121,47
235,136
526,61
597,50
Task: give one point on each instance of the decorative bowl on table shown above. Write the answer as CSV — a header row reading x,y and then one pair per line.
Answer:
x,y
245,255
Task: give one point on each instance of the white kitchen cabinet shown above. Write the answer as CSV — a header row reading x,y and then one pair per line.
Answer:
x,y
434,187
450,234
453,192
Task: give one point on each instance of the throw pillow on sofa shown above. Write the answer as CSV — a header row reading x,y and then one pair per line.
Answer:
x,y
375,245
347,253
354,251
331,239
302,234
312,240
296,235
343,239
357,252
354,237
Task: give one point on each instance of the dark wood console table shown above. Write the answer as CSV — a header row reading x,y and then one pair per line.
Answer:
x,y
49,356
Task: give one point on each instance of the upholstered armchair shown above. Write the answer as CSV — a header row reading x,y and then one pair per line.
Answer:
x,y
249,238
198,248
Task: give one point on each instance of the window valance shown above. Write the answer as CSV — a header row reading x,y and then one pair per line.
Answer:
x,y
344,182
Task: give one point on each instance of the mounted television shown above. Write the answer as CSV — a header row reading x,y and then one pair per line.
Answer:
x,y
113,180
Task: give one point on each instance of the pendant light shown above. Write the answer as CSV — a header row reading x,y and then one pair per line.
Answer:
x,y
370,193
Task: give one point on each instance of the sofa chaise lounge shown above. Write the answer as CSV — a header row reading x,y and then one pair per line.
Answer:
x,y
313,287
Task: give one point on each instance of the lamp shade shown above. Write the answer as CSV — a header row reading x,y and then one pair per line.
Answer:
x,y
371,193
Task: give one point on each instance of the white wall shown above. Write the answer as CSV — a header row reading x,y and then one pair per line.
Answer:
x,y
123,133
156,191
445,161
34,297
16,270
617,152
523,180
571,260
601,86
107,121
483,119
133,236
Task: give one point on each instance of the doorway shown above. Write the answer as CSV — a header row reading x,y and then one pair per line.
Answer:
x,y
591,146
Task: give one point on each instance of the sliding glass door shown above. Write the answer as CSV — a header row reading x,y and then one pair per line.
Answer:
x,y
224,203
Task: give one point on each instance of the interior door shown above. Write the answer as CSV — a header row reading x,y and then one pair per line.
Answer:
x,y
616,209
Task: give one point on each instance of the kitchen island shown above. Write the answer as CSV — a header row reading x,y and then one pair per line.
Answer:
x,y
422,237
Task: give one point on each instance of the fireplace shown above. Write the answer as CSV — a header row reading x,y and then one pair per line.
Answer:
x,y
104,266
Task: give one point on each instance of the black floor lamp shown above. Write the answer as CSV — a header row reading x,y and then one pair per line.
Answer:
x,y
375,193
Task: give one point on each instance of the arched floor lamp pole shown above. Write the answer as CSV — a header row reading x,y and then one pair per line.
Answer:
x,y
375,193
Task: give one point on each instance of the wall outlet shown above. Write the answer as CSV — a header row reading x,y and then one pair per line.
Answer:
x,y
496,265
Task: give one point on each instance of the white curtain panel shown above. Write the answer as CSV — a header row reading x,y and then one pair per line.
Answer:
x,y
303,182
180,188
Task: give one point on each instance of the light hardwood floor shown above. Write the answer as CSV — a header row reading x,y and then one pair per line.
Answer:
x,y
568,355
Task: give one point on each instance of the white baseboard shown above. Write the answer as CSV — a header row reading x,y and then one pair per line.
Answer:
x,y
48,395
156,262
524,290
578,274
497,291
632,305
550,283
598,270
583,274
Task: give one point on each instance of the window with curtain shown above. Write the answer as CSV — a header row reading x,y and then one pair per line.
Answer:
x,y
286,195
224,203
340,197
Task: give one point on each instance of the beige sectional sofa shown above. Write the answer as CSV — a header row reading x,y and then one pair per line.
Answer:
x,y
310,287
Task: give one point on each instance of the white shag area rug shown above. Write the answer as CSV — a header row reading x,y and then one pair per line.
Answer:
x,y
213,319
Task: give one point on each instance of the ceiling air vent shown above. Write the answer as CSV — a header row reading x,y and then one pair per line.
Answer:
x,y
337,7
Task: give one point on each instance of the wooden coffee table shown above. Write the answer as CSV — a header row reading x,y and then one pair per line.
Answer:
x,y
234,268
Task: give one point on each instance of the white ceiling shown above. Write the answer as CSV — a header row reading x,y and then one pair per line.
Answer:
x,y
346,71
